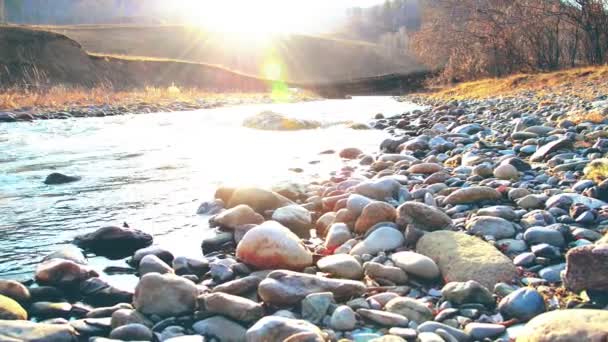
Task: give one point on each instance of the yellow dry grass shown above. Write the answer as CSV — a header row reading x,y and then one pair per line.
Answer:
x,y
582,82
59,97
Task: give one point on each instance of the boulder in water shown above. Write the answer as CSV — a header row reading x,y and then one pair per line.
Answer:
x,y
56,178
114,242
270,121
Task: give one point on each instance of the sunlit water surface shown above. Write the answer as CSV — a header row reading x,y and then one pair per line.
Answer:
x,y
154,170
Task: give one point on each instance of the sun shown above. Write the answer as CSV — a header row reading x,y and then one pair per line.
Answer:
x,y
244,17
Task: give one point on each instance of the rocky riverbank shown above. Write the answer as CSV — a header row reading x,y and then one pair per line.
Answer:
x,y
478,220
127,106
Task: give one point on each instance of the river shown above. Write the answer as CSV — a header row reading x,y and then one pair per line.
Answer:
x,y
152,171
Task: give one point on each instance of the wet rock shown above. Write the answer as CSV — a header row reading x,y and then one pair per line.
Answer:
x,y
220,328
411,308
11,310
493,226
211,207
15,290
567,325
286,288
162,253
62,273
350,153
380,240
467,292
270,121
98,292
132,332
343,318
473,195
59,178
315,306
384,318
71,253
587,268
395,275
275,328
416,264
231,306
235,217
341,266
297,218
272,246
219,241
462,258
36,332
258,199
374,213
122,317
151,263
50,310
423,216
165,295
522,304
114,242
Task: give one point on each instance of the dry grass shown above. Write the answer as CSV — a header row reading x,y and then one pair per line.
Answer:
x,y
61,98
585,83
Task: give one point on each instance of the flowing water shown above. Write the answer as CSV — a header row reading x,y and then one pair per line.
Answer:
x,y
152,171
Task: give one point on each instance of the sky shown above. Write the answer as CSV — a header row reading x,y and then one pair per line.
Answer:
x,y
270,15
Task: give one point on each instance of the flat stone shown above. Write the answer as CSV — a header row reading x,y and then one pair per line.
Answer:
x,y
481,331
284,288
36,332
384,318
472,195
461,257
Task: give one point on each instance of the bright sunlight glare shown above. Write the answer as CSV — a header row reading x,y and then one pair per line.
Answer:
x,y
244,17
258,17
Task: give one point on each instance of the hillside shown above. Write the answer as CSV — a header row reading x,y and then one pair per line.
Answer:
x,y
303,58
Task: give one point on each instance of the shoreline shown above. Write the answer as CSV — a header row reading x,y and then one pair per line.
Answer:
x,y
57,103
477,219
